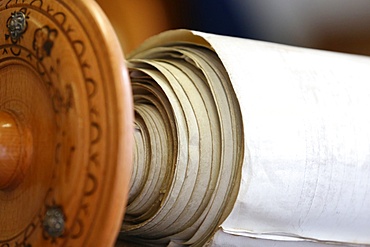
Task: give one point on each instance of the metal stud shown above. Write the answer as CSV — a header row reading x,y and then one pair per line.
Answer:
x,y
54,222
16,25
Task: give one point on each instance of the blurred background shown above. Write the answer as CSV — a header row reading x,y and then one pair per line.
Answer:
x,y
337,25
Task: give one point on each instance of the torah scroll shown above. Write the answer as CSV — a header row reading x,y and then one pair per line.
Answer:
x,y
263,142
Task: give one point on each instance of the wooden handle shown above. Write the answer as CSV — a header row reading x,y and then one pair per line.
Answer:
x,y
15,151
65,125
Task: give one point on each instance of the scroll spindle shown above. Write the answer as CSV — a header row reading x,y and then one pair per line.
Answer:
x,y
15,151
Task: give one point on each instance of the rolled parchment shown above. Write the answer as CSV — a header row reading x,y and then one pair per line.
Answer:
x,y
252,140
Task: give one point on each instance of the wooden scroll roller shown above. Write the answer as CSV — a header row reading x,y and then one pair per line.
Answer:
x,y
194,139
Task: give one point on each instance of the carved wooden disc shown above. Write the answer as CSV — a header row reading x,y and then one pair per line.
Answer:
x,y
63,82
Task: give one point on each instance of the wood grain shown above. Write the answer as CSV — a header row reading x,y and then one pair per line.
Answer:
x,y
63,79
15,151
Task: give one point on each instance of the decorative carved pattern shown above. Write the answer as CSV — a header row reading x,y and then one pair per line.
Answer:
x,y
40,56
43,41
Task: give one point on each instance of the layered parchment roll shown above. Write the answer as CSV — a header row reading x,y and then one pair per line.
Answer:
x,y
252,140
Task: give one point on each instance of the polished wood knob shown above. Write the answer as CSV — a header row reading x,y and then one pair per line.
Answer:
x,y
15,151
